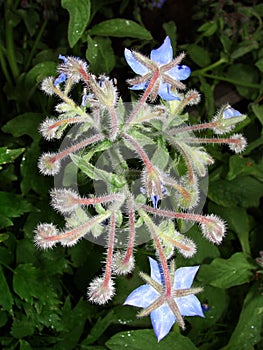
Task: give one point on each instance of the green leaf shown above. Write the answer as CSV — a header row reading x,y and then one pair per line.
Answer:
x,y
217,301
199,55
258,110
239,166
259,64
9,155
208,91
246,74
24,345
248,331
32,179
121,28
23,327
98,329
160,158
243,191
237,220
79,16
24,124
100,55
114,181
6,299
39,72
226,273
145,339
28,282
3,237
244,47
12,206
208,28
3,318
73,321
206,250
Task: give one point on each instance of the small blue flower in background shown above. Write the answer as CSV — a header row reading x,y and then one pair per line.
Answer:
x,y
170,71
158,3
230,112
162,317
62,76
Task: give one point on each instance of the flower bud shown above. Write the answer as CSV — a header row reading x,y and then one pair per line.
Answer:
x,y
120,266
213,228
48,165
226,119
239,145
100,292
48,86
64,200
43,233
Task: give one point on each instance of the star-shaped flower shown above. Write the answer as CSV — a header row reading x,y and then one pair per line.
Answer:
x,y
162,67
166,310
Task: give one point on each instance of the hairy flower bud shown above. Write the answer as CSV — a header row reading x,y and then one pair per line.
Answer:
x,y
240,143
44,234
213,228
120,266
48,86
100,292
226,119
64,200
48,165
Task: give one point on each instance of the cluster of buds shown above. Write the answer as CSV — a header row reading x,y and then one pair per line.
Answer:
x,y
171,159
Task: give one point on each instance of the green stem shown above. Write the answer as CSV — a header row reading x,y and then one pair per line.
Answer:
x,y
33,50
10,47
210,67
232,81
3,66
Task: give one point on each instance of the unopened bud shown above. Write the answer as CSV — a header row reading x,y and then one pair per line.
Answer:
x,y
100,292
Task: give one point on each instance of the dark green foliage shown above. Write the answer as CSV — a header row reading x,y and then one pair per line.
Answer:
x,y
42,294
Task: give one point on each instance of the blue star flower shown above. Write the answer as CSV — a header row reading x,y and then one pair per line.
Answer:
x,y
161,61
151,297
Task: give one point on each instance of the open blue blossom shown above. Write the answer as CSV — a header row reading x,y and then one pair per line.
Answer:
x,y
185,301
161,61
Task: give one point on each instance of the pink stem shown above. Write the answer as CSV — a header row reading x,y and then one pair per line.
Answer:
x,y
140,151
129,251
144,97
76,147
107,275
175,215
193,128
98,200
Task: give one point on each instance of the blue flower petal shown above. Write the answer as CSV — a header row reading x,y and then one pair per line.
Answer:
x,y
60,79
140,86
165,93
179,72
162,321
155,200
164,54
230,112
189,306
156,272
135,65
142,296
63,58
184,277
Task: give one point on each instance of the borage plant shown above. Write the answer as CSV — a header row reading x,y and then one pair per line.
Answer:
x,y
143,164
